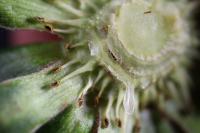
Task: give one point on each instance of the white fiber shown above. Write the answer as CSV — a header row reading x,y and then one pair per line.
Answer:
x,y
129,101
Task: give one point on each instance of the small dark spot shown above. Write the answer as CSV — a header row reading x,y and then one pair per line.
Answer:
x,y
104,123
104,29
52,63
48,27
56,69
80,101
40,19
55,84
96,101
147,12
119,123
112,55
67,46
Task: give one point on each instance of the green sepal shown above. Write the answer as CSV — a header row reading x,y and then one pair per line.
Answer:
x,y
25,60
73,120
22,13
30,101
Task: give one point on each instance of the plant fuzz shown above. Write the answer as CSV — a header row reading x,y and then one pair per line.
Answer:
x,y
132,56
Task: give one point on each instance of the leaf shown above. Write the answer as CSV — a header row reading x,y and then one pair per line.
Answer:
x,y
192,123
164,127
28,102
73,120
24,60
20,13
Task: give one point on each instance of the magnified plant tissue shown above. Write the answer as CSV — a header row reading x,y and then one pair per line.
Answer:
x,y
124,60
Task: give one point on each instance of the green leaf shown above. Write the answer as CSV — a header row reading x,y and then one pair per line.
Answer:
x,y
20,13
73,120
24,60
28,102
164,127
192,123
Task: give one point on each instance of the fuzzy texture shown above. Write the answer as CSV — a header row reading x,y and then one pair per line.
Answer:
x,y
121,61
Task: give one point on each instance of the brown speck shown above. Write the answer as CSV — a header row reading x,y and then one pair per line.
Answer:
x,y
147,12
104,123
105,29
96,100
119,123
55,70
49,27
40,19
80,101
55,84
112,55
67,46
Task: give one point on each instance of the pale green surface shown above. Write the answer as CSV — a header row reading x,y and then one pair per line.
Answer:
x,y
142,34
20,13
28,102
73,120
